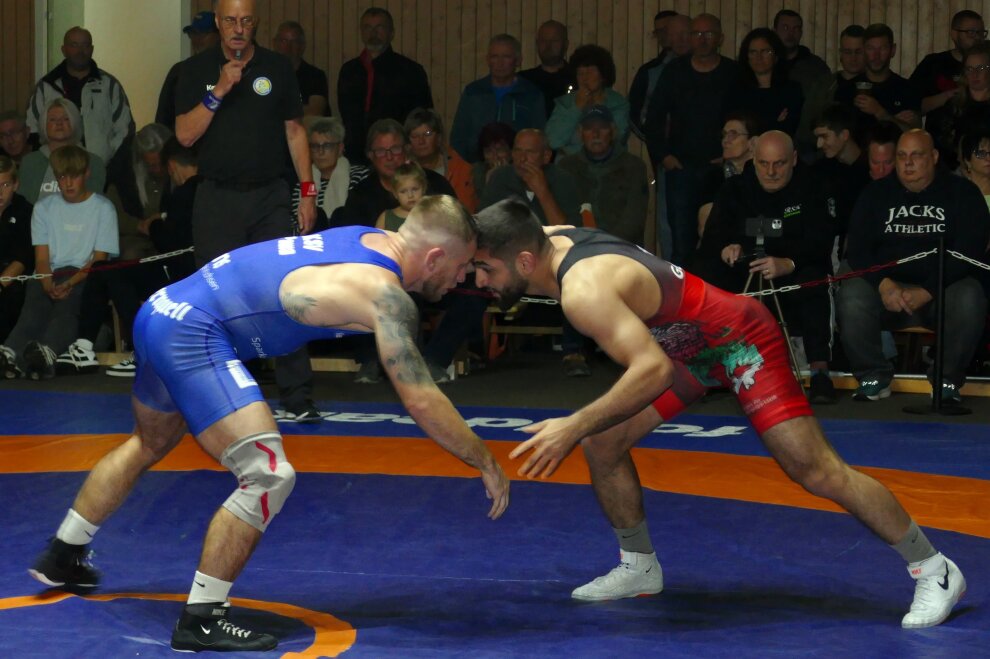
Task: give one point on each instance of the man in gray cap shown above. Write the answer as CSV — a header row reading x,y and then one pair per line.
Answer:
x,y
203,34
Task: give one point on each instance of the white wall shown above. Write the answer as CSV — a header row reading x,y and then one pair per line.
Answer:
x,y
137,41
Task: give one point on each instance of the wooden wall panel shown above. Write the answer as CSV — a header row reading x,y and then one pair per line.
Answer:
x,y
16,53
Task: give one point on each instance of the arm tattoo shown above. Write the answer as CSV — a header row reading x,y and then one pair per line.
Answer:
x,y
296,306
398,320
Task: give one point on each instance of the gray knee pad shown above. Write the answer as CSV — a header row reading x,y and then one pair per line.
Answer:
x,y
264,478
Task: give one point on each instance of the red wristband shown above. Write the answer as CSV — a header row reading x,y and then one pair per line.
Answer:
x,y
307,189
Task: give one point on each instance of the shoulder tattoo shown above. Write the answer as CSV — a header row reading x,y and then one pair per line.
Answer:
x,y
398,320
297,305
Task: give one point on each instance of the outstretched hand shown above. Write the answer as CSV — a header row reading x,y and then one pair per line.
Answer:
x,y
551,442
497,487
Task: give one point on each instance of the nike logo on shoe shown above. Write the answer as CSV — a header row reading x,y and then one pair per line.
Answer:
x,y
944,583
205,630
87,533
648,570
201,585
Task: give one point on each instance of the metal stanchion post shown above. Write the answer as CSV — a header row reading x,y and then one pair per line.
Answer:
x,y
937,406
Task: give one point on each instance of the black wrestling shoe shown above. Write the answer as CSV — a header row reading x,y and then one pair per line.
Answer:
x,y
205,627
63,565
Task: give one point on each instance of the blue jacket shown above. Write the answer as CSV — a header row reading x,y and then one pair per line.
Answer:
x,y
522,107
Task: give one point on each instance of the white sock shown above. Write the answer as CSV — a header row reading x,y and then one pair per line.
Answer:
x,y
208,590
75,530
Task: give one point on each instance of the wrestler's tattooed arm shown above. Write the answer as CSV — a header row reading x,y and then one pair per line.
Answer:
x,y
397,320
297,305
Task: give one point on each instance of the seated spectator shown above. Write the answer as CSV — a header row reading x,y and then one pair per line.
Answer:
x,y
843,169
128,288
594,69
765,90
502,96
408,186
610,179
334,173
15,136
63,126
495,145
880,94
16,253
70,232
140,190
974,152
968,110
881,145
899,216
778,189
428,147
738,139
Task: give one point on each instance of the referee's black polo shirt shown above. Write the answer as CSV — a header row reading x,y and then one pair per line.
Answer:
x,y
246,142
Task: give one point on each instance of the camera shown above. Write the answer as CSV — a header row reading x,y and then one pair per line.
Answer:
x,y
764,227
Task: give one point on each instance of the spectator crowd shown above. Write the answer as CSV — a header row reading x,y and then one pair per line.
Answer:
x,y
768,169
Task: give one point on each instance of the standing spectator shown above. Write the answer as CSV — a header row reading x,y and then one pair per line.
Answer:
x,y
70,232
63,126
240,103
803,66
844,168
766,90
106,113
335,174
379,83
495,146
896,217
554,76
16,253
428,147
685,116
169,230
647,75
594,69
968,110
880,94
881,145
500,96
203,34
609,179
938,75
290,40
15,136
739,135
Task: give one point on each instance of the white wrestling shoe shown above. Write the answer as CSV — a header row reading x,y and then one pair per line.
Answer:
x,y
636,575
940,585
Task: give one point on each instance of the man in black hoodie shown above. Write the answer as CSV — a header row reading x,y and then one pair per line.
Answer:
x,y
896,217
782,191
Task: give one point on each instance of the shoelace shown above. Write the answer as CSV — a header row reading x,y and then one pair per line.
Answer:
x,y
232,629
48,354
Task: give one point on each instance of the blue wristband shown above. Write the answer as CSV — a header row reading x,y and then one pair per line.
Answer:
x,y
211,102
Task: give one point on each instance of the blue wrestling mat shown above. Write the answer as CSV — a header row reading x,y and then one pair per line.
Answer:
x,y
402,562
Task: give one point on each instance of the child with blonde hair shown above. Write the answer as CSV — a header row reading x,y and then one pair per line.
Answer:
x,y
408,186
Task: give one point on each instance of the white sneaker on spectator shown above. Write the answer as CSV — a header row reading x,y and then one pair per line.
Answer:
x,y
636,574
8,364
126,368
940,585
78,358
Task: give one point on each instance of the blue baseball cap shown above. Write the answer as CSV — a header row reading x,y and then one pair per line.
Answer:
x,y
597,113
202,23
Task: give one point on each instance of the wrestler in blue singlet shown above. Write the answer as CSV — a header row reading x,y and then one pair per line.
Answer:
x,y
191,337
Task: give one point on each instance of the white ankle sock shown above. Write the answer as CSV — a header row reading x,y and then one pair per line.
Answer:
x,y
208,590
75,530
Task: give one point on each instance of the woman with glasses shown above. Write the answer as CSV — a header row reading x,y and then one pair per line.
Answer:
x,y
969,108
974,153
428,147
766,90
334,173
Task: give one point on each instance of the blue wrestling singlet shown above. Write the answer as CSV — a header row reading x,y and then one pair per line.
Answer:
x,y
191,337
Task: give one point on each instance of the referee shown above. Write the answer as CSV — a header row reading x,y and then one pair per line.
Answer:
x,y
240,104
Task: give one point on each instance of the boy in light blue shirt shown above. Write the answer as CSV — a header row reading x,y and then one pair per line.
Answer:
x,y
70,231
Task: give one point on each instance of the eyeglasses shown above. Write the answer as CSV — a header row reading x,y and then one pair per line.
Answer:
x,y
733,134
422,136
972,33
982,154
11,134
7,185
706,34
246,22
320,147
766,52
977,69
391,151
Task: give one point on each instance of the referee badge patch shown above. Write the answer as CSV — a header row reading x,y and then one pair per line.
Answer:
x,y
262,86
